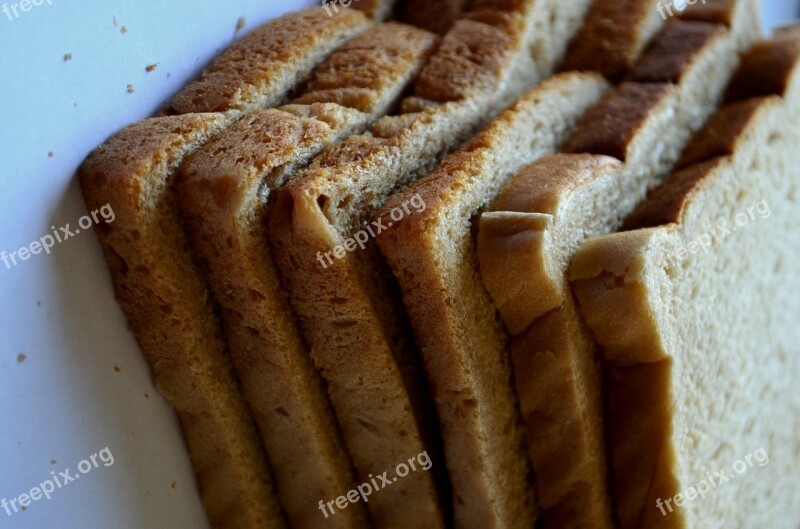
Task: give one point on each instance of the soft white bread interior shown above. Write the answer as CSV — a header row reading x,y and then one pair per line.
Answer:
x,y
696,311
224,192
349,308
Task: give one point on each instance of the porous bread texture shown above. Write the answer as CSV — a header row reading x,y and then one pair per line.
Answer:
x,y
711,339
350,311
260,70
224,192
614,36
696,318
473,389
560,201
166,301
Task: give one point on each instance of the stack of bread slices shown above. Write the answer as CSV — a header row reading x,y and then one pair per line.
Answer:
x,y
356,240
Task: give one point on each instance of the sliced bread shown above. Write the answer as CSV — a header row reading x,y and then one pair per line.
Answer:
x,y
696,311
526,240
224,191
157,282
348,304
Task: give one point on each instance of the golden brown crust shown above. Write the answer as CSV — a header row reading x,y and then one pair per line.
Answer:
x,y
766,69
438,17
609,127
613,37
166,301
469,61
722,132
258,70
714,11
359,74
671,52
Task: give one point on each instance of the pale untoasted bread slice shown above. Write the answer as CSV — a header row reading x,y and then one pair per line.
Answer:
x,y
696,312
349,308
632,138
224,193
263,68
166,301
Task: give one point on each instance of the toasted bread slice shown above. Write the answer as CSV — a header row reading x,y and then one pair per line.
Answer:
x,y
349,309
632,138
262,69
166,301
696,314
224,191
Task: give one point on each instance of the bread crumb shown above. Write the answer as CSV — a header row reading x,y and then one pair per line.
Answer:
x,y
75,104
38,303
21,358
146,395
53,461
50,154
123,30
67,57
240,24
117,369
150,67
23,508
130,89
116,22
169,74
173,485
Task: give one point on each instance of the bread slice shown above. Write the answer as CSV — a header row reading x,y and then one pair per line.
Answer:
x,y
223,192
376,9
166,301
696,312
349,309
535,225
614,36
263,68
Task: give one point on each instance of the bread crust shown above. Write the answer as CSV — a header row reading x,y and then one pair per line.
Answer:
x,y
260,69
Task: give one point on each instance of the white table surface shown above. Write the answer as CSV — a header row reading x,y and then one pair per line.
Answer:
x,y
66,401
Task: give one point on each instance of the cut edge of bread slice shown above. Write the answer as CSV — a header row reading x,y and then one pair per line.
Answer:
x,y
224,191
263,68
166,301
630,287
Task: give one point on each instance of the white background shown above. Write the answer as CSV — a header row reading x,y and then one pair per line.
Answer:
x,y
65,401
